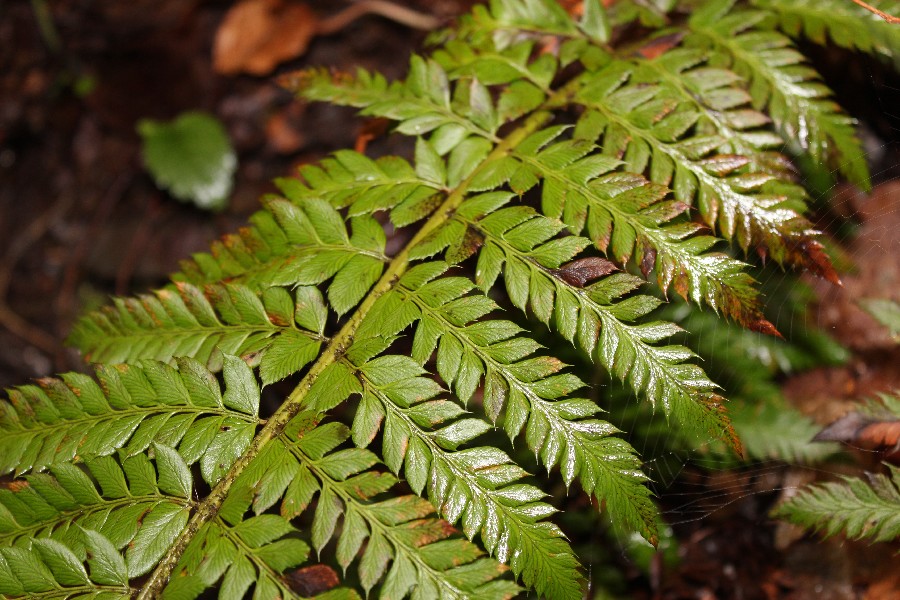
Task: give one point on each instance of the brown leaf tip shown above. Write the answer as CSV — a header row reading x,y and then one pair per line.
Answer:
x,y
765,326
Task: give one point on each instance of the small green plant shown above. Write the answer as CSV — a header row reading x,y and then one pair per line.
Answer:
x,y
191,157
566,177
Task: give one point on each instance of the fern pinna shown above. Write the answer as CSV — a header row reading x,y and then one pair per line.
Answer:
x,y
552,153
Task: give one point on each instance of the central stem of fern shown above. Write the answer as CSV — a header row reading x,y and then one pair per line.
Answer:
x,y
294,403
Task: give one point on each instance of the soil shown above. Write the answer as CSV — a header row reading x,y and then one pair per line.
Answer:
x,y
80,219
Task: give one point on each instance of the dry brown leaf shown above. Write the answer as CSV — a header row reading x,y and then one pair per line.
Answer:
x,y
257,35
866,433
583,270
313,580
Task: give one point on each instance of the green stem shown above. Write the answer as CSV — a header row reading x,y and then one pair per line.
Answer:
x,y
209,508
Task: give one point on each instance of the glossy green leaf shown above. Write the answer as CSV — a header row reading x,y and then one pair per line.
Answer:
x,y
191,157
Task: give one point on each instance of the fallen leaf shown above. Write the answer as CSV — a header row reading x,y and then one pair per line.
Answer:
x,y
581,271
283,134
865,433
257,35
312,580
368,131
659,46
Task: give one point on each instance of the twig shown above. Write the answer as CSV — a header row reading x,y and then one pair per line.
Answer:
x,y
28,236
45,25
65,301
880,13
136,249
21,328
388,10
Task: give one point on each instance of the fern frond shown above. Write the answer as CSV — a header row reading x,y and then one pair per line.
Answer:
x,y
51,569
397,530
714,99
308,290
859,509
505,22
289,246
133,407
478,486
62,520
882,406
846,24
527,390
297,244
514,241
625,216
421,104
351,179
189,322
122,530
306,463
780,83
642,123
771,429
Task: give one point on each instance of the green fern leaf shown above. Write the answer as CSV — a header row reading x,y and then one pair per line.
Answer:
x,y
352,179
514,243
293,245
779,82
625,215
859,509
478,486
133,407
120,531
771,429
527,389
846,24
642,123
420,105
397,531
507,21
307,290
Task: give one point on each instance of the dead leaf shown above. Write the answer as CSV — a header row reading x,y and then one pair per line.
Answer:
x,y
659,46
257,35
312,580
865,433
648,261
283,133
581,271
368,131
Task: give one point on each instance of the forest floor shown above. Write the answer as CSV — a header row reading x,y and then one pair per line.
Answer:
x,y
80,219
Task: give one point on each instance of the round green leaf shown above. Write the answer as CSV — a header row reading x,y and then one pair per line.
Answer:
x,y
191,157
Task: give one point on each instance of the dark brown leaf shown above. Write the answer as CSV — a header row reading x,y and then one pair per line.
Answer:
x,y
765,326
811,254
581,271
312,580
648,261
865,433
